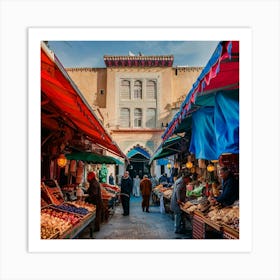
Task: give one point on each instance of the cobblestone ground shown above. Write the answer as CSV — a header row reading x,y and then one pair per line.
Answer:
x,y
138,225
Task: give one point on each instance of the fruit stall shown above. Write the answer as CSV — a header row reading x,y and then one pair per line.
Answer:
x,y
61,219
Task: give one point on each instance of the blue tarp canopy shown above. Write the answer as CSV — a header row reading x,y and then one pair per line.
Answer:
x,y
215,129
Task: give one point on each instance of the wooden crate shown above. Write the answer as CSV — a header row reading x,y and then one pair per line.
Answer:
x,y
229,233
198,226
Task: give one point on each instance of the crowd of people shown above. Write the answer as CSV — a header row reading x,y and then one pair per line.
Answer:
x,y
224,194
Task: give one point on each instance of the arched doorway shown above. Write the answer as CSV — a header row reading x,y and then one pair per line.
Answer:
x,y
139,162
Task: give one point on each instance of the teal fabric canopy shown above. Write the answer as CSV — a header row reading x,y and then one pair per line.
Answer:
x,y
167,148
138,150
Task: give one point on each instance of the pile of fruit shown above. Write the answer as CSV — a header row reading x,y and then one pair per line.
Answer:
x,y
71,218
51,224
78,203
72,209
111,187
105,194
49,232
190,207
226,215
167,192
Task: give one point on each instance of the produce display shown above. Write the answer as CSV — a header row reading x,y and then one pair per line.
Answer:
x,y
78,203
114,188
69,188
48,232
105,194
167,193
71,208
226,215
51,224
68,217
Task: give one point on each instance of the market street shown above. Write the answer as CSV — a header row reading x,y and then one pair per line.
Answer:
x,y
138,225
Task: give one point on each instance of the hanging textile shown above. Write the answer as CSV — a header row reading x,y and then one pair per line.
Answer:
x,y
226,119
203,140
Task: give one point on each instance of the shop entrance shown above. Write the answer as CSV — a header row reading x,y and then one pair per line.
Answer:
x,y
139,162
138,166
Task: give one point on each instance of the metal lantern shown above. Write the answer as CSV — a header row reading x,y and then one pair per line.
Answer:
x,y
189,164
61,160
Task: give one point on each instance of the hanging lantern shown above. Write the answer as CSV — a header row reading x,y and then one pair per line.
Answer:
x,y
169,165
210,167
61,160
193,170
189,164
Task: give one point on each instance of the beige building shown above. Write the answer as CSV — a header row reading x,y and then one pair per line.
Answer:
x,y
135,98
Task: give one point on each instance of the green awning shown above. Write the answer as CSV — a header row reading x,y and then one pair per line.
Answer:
x,y
166,149
93,158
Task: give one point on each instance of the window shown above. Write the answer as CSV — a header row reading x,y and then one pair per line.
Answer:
x,y
151,118
137,90
125,117
125,89
137,118
151,90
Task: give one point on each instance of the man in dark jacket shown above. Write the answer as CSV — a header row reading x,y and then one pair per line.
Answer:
x,y
126,189
177,199
230,190
94,197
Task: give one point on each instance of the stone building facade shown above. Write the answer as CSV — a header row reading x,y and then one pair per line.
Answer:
x,y
135,98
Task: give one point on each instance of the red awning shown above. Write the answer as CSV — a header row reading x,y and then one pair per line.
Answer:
x,y
61,91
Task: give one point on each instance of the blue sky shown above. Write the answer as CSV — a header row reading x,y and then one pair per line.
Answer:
x,y
90,53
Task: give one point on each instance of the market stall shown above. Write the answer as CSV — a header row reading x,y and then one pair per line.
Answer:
x,y
71,134
208,123
61,219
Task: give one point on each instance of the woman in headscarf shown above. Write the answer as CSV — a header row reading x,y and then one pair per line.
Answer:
x,y
94,197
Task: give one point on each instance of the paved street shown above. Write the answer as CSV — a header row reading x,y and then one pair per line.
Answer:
x,y
138,225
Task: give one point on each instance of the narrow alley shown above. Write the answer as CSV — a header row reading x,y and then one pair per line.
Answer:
x,y
138,225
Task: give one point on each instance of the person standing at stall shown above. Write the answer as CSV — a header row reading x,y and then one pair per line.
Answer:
x,y
94,197
126,189
178,198
146,189
230,188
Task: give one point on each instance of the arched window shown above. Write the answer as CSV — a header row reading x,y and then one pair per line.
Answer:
x,y
151,90
138,117
151,118
125,89
125,117
138,90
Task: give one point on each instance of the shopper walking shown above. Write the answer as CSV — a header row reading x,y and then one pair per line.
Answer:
x,y
136,186
146,189
178,198
126,189
94,197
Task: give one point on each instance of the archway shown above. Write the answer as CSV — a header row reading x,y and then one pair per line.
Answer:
x,y
139,162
